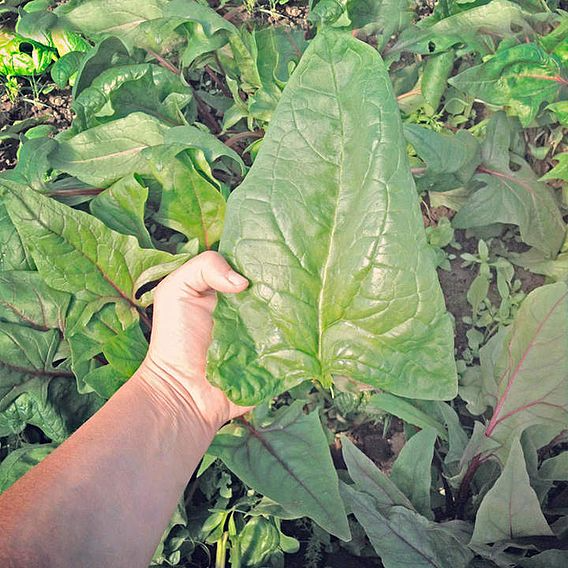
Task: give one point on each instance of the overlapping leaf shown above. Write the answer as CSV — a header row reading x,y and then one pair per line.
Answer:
x,y
269,455
400,535
508,196
521,78
524,372
511,508
342,279
76,253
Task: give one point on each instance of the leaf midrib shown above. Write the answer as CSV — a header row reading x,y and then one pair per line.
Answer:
x,y
93,262
326,267
257,434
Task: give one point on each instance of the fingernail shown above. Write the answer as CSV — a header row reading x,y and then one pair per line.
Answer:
x,y
236,279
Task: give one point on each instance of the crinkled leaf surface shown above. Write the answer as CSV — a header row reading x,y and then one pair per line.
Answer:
x,y
124,89
327,228
19,461
77,253
522,78
26,299
108,16
271,456
103,154
190,204
511,508
50,403
13,255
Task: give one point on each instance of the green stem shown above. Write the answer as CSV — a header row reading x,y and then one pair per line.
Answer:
x,y
221,554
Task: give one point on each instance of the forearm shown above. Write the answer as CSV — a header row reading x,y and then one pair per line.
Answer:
x,y
85,506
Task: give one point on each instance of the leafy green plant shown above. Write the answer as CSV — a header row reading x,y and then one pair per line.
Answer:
x,y
339,333
344,327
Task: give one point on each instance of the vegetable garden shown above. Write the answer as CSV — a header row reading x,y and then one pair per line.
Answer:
x,y
390,175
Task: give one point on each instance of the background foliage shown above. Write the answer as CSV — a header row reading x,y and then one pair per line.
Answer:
x,y
170,101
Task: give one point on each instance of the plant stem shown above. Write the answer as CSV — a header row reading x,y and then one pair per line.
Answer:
x,y
241,135
163,62
463,492
208,117
221,554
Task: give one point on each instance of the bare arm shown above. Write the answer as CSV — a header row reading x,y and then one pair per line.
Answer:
x,y
104,497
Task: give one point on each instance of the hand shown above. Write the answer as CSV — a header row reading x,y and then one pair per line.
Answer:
x,y
181,334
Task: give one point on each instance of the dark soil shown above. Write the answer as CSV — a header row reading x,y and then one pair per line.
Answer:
x,y
49,108
294,14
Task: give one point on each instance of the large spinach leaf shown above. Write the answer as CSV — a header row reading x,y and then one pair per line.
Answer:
x,y
342,280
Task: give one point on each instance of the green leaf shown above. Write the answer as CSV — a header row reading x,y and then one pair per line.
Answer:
x,y
207,30
402,537
26,299
555,468
106,153
560,109
13,255
560,170
521,78
53,405
26,358
269,455
258,540
125,352
20,461
546,559
33,163
65,68
451,159
15,62
496,18
435,78
121,90
33,390
370,479
121,207
185,137
87,337
108,16
297,232
524,367
190,204
386,17
76,253
508,196
405,410
458,153
411,472
511,508
263,60
535,261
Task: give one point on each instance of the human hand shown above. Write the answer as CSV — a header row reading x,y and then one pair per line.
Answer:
x,y
181,334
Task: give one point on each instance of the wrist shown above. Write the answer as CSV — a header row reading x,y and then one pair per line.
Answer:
x,y
177,399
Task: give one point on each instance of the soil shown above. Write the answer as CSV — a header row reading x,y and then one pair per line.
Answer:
x,y
48,108
293,14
